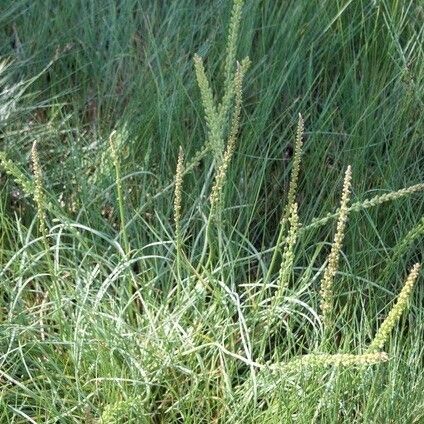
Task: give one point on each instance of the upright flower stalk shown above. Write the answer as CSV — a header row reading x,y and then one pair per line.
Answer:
x,y
39,192
178,199
327,295
395,313
221,174
119,191
291,198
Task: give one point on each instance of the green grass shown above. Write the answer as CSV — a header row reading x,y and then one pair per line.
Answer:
x,y
105,324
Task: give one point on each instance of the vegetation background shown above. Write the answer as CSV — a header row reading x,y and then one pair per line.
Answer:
x,y
73,71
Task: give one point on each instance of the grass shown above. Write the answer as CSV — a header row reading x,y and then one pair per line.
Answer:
x,y
114,312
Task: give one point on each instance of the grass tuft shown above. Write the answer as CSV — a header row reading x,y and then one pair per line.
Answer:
x,y
133,290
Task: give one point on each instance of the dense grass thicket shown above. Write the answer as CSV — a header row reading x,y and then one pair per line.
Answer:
x,y
211,211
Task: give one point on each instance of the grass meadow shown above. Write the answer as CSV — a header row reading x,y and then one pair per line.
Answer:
x,y
211,211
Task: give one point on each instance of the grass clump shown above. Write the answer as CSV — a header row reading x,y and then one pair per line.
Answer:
x,y
221,303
